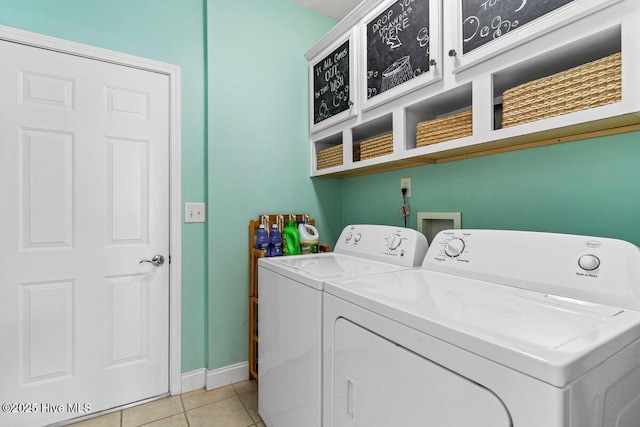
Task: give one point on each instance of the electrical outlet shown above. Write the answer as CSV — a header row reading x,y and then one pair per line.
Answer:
x,y
405,183
194,212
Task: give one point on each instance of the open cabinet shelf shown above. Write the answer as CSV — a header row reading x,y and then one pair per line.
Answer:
x,y
478,80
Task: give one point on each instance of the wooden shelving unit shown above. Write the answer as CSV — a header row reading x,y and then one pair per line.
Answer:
x,y
255,254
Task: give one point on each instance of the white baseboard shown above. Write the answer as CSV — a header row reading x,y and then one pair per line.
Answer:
x,y
194,380
227,375
220,377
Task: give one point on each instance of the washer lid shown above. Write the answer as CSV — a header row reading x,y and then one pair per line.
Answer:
x,y
552,338
314,269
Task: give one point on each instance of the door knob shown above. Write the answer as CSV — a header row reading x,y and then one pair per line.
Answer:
x,y
157,260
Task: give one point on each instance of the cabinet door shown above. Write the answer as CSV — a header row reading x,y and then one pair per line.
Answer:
x,y
485,28
331,83
401,49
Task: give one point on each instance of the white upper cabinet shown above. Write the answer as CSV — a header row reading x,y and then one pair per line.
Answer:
x,y
332,83
486,28
401,49
433,81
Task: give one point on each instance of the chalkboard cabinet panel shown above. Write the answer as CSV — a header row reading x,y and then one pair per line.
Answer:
x,y
483,21
333,92
401,49
478,90
486,28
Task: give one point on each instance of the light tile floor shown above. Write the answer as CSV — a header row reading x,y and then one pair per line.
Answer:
x,y
234,405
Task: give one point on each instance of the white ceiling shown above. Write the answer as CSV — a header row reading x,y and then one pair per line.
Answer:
x,y
337,9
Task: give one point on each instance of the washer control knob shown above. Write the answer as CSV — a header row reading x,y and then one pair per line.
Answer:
x,y
358,237
394,242
349,236
589,262
454,247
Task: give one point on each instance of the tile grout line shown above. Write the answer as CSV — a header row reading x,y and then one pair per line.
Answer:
x,y
184,410
245,407
237,395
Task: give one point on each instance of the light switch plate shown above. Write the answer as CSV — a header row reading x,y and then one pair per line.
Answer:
x,y
194,212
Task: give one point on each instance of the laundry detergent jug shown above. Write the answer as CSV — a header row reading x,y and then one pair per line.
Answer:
x,y
309,238
275,242
262,239
291,242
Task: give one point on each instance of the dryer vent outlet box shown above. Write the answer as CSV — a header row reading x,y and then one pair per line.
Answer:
x,y
431,223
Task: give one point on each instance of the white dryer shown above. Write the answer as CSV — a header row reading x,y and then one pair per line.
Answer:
x,y
499,328
290,315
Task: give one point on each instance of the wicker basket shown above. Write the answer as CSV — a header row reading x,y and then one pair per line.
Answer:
x,y
445,128
376,147
587,86
330,157
356,152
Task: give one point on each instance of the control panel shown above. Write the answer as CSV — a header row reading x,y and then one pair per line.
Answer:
x,y
600,270
395,245
452,245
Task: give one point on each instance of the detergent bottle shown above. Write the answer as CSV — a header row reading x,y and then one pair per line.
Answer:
x,y
275,241
262,239
291,241
309,238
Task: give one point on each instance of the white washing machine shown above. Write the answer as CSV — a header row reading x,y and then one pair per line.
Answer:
x,y
497,329
290,315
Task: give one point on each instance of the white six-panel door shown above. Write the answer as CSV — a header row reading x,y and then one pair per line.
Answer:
x,y
84,197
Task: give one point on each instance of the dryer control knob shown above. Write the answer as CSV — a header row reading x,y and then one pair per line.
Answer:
x,y
454,247
589,262
394,242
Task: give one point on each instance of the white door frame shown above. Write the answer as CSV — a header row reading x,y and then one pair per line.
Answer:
x,y
175,200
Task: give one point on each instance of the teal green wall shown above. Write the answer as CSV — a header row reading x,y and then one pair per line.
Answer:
x,y
587,187
164,30
245,150
251,158
258,148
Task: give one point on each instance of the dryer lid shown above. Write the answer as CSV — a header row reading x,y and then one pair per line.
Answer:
x,y
555,339
314,269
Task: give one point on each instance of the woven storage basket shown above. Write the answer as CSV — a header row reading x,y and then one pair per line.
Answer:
x,y
587,86
445,128
356,152
330,157
376,147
